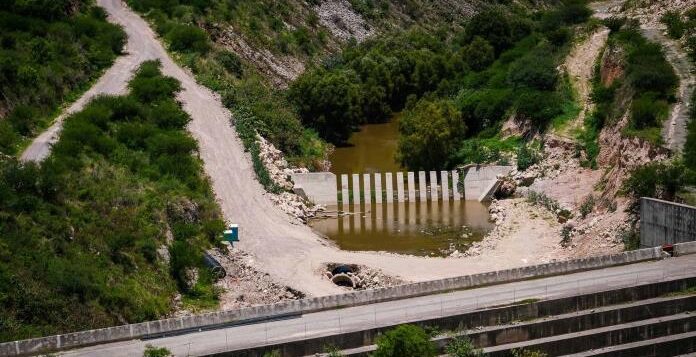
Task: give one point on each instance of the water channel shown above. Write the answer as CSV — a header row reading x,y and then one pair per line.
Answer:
x,y
432,228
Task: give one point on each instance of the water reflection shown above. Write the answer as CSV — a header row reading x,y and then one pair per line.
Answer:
x,y
419,228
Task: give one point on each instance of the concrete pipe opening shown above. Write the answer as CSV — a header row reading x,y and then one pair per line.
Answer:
x,y
343,280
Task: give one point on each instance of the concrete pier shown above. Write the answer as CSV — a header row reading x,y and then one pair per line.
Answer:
x,y
389,187
366,189
433,186
356,190
444,179
411,187
378,188
455,186
422,187
400,186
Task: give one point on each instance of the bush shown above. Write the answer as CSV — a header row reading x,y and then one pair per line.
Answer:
x,y
536,71
675,26
614,23
405,341
462,347
647,111
493,26
152,351
479,54
187,38
230,61
538,106
526,157
587,206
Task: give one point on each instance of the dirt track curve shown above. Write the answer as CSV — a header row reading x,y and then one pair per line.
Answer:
x,y
291,253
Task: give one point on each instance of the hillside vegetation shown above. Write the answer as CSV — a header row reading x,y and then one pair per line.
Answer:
x,y
113,224
455,89
50,51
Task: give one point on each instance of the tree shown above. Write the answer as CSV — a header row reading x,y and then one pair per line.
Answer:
x,y
329,102
187,38
405,341
430,132
493,26
479,54
536,70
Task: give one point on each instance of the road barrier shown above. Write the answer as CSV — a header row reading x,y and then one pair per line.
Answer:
x,y
295,307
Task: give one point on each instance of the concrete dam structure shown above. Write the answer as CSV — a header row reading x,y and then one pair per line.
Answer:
x,y
471,183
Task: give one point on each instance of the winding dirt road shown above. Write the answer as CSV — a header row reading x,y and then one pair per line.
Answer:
x,y
289,252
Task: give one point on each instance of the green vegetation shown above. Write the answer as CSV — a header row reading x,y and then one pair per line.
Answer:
x,y
683,27
257,107
152,351
541,199
50,51
462,347
648,82
405,341
455,89
82,236
528,353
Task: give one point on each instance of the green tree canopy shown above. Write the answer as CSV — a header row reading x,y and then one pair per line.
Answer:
x,y
430,132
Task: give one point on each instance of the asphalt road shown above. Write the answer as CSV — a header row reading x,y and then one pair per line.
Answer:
x,y
401,311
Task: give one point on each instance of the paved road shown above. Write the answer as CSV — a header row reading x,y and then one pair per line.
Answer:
x,y
401,311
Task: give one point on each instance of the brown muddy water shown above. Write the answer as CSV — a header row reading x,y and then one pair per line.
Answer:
x,y
418,228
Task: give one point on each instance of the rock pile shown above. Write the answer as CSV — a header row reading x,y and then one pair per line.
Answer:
x,y
244,285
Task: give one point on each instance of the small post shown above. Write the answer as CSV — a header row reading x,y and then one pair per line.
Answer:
x,y
378,188
433,186
389,187
356,191
400,186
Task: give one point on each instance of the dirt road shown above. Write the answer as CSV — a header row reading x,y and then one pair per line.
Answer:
x,y
674,129
290,253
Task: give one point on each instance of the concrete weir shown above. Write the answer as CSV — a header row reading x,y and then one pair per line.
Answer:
x,y
478,182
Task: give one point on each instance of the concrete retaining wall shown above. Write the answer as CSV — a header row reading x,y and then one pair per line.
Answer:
x,y
287,308
478,180
318,187
492,317
663,222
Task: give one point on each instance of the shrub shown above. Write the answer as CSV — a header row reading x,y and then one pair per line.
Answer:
x,y
148,87
675,26
462,347
536,71
187,38
526,157
479,54
538,106
587,206
647,111
614,23
493,26
405,341
230,61
152,351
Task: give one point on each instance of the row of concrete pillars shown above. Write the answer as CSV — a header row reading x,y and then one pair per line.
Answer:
x,y
378,187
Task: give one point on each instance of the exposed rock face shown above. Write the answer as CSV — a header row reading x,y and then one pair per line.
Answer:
x,y
280,69
620,155
338,16
612,66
